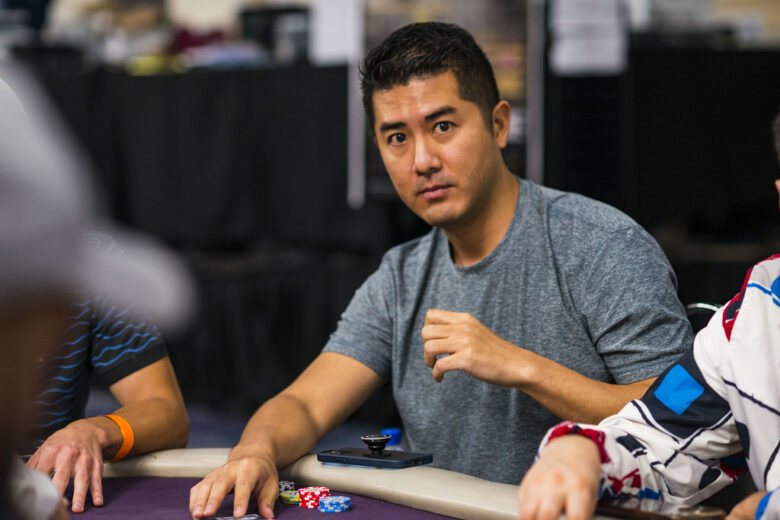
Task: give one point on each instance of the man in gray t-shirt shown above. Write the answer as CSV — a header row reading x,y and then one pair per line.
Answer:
x,y
522,307
572,280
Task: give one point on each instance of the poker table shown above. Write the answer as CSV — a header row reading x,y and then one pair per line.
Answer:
x,y
156,486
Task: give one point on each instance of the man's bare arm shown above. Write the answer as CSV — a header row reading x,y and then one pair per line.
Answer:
x,y
472,347
153,407
282,430
572,396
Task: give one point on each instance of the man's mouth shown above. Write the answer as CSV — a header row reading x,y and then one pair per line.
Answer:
x,y
434,191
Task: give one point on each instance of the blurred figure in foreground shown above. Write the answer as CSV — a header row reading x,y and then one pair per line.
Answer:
x,y
47,221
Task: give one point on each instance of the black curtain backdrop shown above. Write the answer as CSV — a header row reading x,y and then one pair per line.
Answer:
x,y
682,142
223,158
244,172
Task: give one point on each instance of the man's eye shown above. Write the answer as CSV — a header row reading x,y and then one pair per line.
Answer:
x,y
396,139
443,126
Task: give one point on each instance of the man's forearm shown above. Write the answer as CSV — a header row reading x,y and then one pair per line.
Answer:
x,y
282,430
157,424
570,395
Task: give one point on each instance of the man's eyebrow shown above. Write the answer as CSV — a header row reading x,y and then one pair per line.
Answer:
x,y
384,127
443,111
395,125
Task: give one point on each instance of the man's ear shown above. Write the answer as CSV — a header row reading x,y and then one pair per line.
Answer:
x,y
500,121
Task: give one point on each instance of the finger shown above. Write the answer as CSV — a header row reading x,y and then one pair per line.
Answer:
x,y
80,486
551,507
60,479
444,365
63,466
435,331
44,460
219,489
580,503
434,348
96,482
439,316
198,496
32,462
267,498
437,349
242,494
527,504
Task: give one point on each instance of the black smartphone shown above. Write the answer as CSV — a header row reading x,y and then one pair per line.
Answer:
x,y
363,457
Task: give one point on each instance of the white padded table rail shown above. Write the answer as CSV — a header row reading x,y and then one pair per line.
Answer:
x,y
422,487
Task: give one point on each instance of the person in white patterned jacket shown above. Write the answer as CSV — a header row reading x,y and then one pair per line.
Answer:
x,y
712,416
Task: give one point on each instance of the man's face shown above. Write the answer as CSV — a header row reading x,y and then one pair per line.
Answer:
x,y
442,158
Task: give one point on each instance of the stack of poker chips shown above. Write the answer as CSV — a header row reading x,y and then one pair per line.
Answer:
x,y
287,493
334,504
310,496
289,497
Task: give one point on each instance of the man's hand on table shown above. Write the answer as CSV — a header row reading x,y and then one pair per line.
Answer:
x,y
564,479
74,451
468,345
247,476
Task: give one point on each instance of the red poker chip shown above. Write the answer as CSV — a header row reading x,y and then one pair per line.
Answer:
x,y
310,496
314,490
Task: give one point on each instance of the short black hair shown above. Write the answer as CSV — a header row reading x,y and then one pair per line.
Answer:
x,y
422,50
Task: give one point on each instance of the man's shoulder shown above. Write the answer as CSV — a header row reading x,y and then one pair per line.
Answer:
x,y
766,270
764,277
566,209
580,229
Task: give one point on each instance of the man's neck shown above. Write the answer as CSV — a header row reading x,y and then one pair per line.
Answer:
x,y
472,242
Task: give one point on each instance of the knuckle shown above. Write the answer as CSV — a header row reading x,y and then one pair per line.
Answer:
x,y
47,451
556,478
578,484
70,449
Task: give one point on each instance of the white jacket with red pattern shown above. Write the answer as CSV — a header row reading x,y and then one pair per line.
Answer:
x,y
709,417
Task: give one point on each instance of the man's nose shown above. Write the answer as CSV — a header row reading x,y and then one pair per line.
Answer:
x,y
426,157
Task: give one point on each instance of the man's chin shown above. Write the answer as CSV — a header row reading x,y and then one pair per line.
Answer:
x,y
442,221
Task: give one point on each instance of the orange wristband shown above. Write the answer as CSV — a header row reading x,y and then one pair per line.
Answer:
x,y
128,438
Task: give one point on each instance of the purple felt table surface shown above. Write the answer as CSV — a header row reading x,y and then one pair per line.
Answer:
x,y
162,498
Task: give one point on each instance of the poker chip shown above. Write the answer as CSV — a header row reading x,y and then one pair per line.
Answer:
x,y
310,496
334,504
289,497
286,485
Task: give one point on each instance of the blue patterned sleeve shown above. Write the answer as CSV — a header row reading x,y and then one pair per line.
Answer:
x,y
122,340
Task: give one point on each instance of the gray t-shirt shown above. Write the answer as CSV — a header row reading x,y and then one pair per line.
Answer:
x,y
573,280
